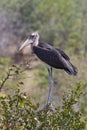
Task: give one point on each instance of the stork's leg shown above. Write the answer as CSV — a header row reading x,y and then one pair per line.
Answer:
x,y
51,85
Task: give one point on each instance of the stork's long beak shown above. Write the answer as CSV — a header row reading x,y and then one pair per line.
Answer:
x,y
25,44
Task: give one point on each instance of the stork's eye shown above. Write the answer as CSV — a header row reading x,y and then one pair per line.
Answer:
x,y
31,36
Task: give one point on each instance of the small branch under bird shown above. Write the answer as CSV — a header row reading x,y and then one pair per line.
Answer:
x,y
53,57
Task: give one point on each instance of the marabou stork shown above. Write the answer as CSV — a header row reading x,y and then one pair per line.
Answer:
x,y
53,57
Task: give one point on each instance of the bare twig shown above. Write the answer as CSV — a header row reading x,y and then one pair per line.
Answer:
x,y
5,79
13,71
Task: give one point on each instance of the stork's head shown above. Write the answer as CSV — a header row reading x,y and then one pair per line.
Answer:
x,y
32,39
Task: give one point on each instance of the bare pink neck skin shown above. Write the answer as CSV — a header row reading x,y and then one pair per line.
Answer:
x,y
35,43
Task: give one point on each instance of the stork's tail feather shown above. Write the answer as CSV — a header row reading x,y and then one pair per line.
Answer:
x,y
72,70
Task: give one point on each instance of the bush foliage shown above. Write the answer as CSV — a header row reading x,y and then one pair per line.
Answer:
x,y
18,112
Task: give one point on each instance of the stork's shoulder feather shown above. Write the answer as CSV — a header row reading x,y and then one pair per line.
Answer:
x,y
45,46
44,50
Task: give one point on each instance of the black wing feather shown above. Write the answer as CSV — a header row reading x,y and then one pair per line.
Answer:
x,y
49,56
63,54
54,58
49,47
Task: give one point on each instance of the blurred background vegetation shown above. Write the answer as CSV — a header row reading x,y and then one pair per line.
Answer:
x,y
60,23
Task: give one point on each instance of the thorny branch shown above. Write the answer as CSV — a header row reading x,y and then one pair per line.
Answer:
x,y
5,79
13,71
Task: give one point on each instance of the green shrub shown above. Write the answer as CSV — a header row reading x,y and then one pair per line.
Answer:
x,y
17,112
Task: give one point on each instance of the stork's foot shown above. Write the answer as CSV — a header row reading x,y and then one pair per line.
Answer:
x,y
49,107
